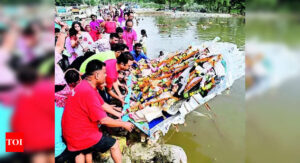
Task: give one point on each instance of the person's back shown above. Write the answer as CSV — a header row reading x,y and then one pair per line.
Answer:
x,y
79,60
83,108
102,56
72,77
143,41
33,112
115,51
103,44
111,72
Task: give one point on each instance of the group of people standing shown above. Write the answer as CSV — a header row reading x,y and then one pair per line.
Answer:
x,y
85,37
90,84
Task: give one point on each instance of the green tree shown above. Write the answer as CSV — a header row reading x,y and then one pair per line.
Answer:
x,y
67,2
90,2
160,1
224,6
183,2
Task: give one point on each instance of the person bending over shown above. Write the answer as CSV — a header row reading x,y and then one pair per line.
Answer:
x,y
137,53
113,66
84,113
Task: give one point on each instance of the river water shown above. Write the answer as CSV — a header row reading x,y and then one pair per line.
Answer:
x,y
222,137
272,125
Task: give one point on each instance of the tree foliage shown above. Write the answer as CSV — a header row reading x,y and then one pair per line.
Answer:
x,y
67,2
224,6
160,1
221,6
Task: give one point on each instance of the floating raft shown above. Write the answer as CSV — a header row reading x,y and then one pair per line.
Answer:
x,y
156,91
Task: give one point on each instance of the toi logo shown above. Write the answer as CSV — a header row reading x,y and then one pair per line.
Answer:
x,y
14,142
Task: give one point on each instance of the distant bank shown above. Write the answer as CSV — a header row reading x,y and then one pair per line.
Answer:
x,y
150,11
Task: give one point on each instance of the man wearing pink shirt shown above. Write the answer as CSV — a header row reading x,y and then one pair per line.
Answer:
x,y
95,23
112,67
129,35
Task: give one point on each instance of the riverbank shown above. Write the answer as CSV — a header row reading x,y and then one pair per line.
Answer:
x,y
145,152
150,11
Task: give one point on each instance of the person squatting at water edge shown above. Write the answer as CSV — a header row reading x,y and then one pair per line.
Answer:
x,y
84,112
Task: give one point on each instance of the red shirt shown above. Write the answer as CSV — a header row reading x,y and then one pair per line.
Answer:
x,y
110,27
80,118
111,72
34,116
95,35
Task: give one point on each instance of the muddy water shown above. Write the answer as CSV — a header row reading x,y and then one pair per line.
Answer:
x,y
221,137
272,126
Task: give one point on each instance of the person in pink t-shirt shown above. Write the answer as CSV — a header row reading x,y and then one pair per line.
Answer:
x,y
112,68
95,23
129,35
109,25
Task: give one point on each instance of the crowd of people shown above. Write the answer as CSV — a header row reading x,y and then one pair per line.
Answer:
x,y
92,63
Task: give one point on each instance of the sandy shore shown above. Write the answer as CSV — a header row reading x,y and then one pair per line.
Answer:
x,y
181,13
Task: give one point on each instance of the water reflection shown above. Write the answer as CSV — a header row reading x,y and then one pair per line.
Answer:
x,y
169,25
228,29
